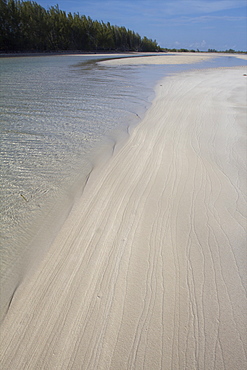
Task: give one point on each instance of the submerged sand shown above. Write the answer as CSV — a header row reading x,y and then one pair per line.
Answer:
x,y
149,270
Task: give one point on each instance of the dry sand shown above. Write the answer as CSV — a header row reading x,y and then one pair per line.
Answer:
x,y
162,58
240,56
149,270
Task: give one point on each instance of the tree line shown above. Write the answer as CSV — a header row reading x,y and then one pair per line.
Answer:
x,y
229,51
27,26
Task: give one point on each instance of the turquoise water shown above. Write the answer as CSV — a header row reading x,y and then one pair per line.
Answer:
x,y
56,111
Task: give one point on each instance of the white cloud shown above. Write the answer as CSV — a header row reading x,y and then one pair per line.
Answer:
x,y
178,7
209,20
152,8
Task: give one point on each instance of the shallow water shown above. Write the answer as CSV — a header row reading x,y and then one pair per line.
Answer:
x,y
55,112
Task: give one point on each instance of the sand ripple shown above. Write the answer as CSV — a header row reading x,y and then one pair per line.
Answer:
x,y
149,271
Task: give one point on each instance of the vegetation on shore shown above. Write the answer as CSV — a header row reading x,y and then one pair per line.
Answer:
x,y
27,26
229,51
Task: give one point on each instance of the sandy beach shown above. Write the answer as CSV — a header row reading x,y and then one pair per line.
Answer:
x,y
162,58
149,269
170,58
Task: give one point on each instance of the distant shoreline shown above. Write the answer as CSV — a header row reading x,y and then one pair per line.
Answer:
x,y
66,52
112,52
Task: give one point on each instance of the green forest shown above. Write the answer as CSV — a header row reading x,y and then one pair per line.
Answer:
x,y
27,26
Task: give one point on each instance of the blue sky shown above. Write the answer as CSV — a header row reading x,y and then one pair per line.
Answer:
x,y
190,24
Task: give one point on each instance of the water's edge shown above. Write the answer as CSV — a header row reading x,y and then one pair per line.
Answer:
x,y
45,232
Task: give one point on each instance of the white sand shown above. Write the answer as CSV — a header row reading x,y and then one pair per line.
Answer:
x,y
240,56
162,58
149,271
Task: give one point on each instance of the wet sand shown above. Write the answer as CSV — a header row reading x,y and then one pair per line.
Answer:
x,y
149,269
